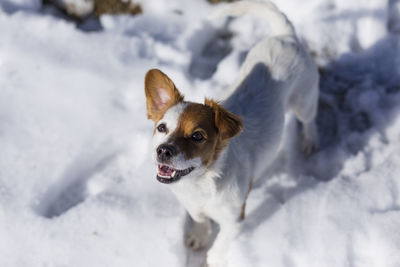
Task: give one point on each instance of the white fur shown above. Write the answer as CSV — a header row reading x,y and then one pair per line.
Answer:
x,y
170,119
277,75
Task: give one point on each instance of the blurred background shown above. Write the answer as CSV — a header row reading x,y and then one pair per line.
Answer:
x,y
77,179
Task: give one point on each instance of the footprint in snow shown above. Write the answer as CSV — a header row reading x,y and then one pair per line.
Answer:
x,y
74,186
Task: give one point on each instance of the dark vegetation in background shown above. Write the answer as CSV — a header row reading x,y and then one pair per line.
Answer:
x,y
101,7
88,21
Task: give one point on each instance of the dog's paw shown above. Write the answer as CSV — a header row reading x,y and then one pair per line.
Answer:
x,y
308,146
309,138
200,235
195,241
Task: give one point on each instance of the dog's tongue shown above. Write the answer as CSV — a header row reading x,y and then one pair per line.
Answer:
x,y
165,170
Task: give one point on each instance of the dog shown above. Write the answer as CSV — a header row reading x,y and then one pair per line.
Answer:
x,y
210,153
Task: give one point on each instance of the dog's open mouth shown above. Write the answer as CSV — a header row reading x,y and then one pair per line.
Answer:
x,y
168,174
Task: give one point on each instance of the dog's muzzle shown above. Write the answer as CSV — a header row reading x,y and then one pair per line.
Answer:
x,y
168,174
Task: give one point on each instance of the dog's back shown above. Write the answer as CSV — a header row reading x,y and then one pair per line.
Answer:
x,y
278,74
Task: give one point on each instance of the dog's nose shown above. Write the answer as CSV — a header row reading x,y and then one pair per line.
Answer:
x,y
165,152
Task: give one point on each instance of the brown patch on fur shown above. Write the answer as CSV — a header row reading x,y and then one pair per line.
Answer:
x,y
216,125
228,124
243,212
196,118
161,94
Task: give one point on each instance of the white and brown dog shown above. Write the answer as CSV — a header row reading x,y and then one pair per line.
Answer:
x,y
209,154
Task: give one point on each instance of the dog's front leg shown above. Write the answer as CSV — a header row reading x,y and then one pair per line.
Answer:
x,y
200,234
217,255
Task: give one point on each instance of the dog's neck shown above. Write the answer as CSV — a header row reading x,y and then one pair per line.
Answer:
x,y
210,178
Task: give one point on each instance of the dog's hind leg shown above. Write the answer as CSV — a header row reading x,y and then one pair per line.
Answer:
x,y
243,211
304,103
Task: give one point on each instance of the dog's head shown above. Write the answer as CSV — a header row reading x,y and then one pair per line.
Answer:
x,y
188,137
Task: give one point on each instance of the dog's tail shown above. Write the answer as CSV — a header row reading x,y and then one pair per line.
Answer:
x,y
264,10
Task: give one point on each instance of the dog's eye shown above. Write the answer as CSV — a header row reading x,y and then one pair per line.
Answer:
x,y
197,136
162,128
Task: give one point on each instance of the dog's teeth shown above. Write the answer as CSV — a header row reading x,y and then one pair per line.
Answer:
x,y
173,174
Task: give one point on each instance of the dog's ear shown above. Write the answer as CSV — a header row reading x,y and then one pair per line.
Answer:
x,y
161,94
227,123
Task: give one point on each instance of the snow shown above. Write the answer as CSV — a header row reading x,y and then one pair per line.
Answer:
x,y
77,182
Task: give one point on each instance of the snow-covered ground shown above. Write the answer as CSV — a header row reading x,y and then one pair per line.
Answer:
x,y
77,183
